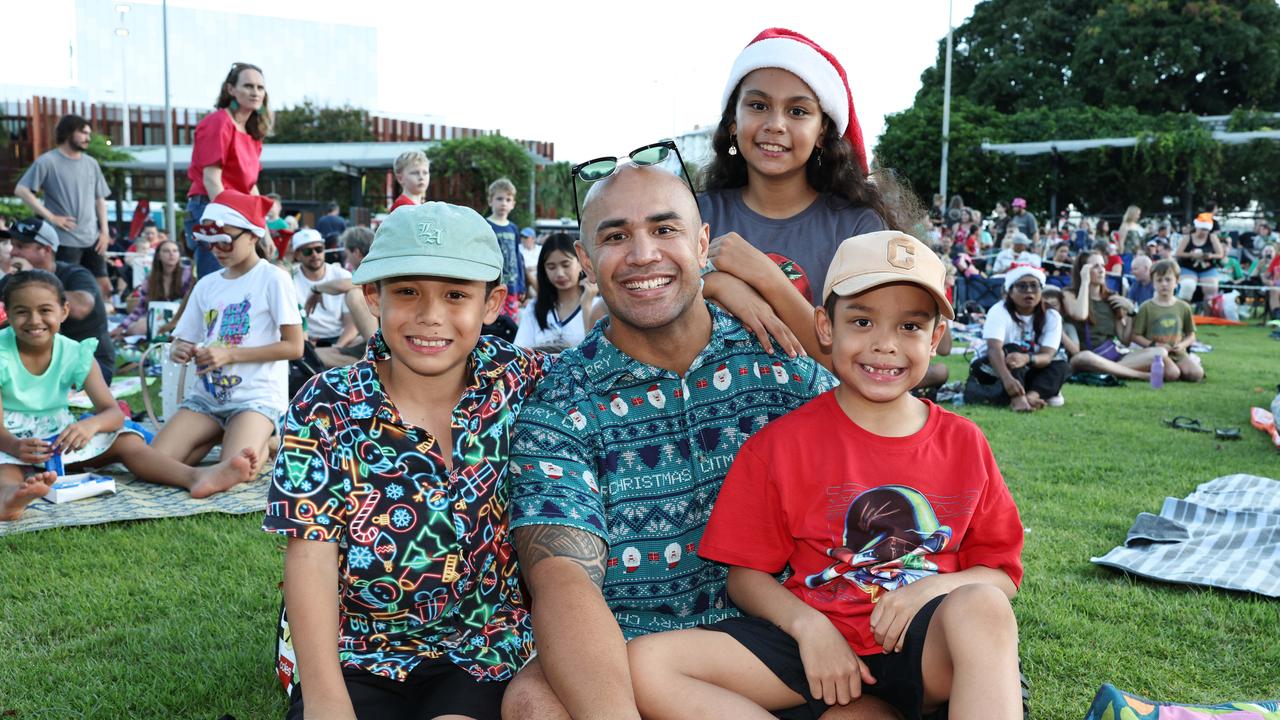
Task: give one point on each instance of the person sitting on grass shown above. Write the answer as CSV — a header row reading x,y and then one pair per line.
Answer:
x,y
1058,266
1022,341
1166,322
38,368
1141,289
903,540
240,328
169,280
1105,324
400,582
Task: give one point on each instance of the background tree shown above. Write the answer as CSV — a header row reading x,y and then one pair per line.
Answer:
x,y
1028,71
308,123
461,170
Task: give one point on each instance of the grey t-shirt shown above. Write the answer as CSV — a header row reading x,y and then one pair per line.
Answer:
x,y
1025,223
808,239
70,187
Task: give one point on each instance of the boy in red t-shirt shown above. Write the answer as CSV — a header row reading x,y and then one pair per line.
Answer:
x,y
413,171
903,541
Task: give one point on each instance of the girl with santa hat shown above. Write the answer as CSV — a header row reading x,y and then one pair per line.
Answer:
x,y
789,181
240,328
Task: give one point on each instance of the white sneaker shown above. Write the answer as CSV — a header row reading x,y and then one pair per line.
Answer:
x,y
1056,401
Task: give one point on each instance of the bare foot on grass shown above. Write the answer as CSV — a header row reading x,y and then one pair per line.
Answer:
x,y
1035,401
225,475
1020,404
15,498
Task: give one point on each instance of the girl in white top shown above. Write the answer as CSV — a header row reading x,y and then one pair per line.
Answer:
x,y
241,327
1022,343
560,315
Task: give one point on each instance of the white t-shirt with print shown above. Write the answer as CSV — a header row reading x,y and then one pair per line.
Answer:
x,y
325,321
1001,326
245,312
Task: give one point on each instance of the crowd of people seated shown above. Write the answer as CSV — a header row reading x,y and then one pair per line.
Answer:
x,y
1119,302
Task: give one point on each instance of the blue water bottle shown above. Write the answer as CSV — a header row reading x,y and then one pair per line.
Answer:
x,y
1157,372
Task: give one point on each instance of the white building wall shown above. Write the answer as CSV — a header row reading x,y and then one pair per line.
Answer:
x,y
327,63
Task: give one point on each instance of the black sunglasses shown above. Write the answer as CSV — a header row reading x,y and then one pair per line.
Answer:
x,y
311,250
1026,287
602,167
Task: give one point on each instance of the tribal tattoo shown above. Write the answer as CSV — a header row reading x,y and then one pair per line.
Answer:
x,y
536,543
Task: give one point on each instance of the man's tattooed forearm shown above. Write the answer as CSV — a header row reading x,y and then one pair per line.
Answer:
x,y
539,542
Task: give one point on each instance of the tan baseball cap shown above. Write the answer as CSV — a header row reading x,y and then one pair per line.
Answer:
x,y
864,262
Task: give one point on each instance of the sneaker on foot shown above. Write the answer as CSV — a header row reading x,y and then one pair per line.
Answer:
x,y
1056,401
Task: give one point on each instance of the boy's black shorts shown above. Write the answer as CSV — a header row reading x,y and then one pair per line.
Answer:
x,y
899,680
436,687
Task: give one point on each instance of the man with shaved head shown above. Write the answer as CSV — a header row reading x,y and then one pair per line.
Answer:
x,y
618,458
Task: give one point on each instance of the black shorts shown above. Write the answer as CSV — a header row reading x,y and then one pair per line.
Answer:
x,y
899,680
86,256
436,687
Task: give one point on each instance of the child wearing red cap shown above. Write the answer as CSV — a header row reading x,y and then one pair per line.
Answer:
x,y
241,326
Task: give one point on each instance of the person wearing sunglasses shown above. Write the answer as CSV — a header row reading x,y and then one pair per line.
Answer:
x,y
226,151
328,321
1021,361
240,328
620,453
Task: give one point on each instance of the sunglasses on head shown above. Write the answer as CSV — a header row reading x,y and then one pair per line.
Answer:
x,y
603,167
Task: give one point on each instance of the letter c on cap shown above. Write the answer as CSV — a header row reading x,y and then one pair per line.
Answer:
x,y
902,253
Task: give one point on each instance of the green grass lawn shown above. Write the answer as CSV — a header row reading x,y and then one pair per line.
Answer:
x,y
175,618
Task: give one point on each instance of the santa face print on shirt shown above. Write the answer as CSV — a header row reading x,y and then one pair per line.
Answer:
x,y
889,532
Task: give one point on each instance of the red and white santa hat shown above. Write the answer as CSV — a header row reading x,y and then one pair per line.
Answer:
x,y
819,69
237,209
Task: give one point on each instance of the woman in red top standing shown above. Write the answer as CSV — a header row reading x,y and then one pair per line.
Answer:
x,y
227,149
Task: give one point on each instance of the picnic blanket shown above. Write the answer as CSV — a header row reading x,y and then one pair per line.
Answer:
x,y
1113,704
1226,534
120,387
138,500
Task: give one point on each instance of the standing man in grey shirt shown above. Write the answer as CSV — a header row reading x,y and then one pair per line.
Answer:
x,y
75,198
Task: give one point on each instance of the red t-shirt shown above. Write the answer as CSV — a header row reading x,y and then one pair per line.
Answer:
x,y
855,514
1114,262
219,142
402,200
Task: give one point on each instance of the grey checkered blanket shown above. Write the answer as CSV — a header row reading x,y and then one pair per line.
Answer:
x,y
1226,534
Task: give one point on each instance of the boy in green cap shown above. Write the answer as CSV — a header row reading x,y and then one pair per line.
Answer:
x,y
391,485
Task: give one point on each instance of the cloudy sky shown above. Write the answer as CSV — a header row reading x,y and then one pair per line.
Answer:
x,y
593,77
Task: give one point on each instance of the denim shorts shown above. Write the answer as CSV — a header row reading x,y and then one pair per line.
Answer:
x,y
1210,274
223,412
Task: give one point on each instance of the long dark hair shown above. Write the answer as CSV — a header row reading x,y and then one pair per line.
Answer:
x,y
547,293
155,281
832,169
259,123
1037,316
1081,259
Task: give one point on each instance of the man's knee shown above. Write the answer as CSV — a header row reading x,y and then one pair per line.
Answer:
x,y
530,697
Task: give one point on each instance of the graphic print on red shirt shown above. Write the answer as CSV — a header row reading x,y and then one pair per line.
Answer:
x,y
856,515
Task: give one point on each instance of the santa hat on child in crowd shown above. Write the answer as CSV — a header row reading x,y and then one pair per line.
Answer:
x,y
239,210
819,69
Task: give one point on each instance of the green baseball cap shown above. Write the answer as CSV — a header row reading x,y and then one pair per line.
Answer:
x,y
433,238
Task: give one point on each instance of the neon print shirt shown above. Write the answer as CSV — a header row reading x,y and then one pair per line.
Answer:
x,y
636,455
425,566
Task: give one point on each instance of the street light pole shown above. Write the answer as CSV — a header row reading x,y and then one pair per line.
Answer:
x,y
122,32
946,112
170,214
